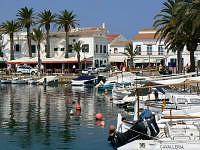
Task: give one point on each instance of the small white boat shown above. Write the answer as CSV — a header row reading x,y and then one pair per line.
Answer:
x,y
175,135
83,80
5,81
18,81
48,80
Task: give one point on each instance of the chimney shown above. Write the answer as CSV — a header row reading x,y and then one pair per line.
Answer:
x,y
103,25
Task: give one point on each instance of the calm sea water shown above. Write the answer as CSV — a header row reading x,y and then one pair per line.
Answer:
x,y
37,117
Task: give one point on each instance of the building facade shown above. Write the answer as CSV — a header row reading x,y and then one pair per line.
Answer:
x,y
150,51
93,39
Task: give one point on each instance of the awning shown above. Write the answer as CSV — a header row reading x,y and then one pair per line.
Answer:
x,y
117,58
55,60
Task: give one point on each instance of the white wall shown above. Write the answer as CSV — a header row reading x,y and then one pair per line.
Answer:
x,y
58,41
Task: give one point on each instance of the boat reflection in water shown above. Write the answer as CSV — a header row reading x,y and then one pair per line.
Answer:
x,y
38,117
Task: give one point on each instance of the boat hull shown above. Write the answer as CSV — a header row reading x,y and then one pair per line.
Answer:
x,y
160,145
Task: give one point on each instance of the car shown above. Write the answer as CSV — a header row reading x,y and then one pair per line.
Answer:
x,y
26,69
90,70
102,68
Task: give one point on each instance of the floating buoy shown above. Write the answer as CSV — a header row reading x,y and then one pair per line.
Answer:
x,y
100,123
78,106
99,116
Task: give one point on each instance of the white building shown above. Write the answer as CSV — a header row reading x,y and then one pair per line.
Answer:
x,y
152,50
116,47
93,40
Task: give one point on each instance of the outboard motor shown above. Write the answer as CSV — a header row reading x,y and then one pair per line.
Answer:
x,y
144,129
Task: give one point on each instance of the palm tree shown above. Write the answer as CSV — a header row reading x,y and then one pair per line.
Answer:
x,y
26,19
10,27
45,18
167,24
78,47
190,25
38,37
130,52
67,20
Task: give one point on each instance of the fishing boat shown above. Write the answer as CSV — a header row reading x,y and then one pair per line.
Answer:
x,y
83,80
181,134
19,81
5,81
145,128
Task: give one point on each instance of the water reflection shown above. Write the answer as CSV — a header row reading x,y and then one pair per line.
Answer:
x,y
37,117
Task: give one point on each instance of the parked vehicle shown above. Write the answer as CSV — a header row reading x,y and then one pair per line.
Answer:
x,y
90,70
102,68
26,69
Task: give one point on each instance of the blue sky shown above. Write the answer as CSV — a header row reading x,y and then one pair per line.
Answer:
x,y
125,17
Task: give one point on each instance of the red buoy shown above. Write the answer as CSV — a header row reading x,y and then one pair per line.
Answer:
x,y
99,116
78,106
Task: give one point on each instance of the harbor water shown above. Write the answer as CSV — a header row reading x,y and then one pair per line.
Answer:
x,y
44,118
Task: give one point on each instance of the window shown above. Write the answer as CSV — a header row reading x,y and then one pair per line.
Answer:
x,y
70,48
160,50
101,49
33,48
104,49
74,40
138,49
101,62
85,48
62,49
17,48
115,50
55,49
105,61
97,48
149,49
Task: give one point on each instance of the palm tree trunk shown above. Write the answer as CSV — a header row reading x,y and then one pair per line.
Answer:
x,y
192,46
179,61
79,64
39,60
192,61
29,42
11,47
67,44
48,44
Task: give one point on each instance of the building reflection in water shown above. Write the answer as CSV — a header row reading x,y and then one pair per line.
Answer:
x,y
38,117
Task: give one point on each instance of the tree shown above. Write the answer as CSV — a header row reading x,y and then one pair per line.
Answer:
x,y
167,24
130,52
67,20
45,18
38,37
191,27
26,19
10,27
78,47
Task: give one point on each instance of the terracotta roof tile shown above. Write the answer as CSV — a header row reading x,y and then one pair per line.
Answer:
x,y
146,33
120,43
111,37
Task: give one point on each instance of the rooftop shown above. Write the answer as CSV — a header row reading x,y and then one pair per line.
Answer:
x,y
111,37
144,34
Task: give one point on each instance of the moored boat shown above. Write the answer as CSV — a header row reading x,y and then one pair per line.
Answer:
x,y
83,80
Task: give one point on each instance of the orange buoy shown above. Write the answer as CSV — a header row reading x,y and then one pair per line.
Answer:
x,y
99,116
